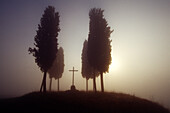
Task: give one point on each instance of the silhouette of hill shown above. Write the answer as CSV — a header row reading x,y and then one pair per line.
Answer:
x,y
79,102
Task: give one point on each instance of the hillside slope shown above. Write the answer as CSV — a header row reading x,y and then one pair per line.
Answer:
x,y
80,102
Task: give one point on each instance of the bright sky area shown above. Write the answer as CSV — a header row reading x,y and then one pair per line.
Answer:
x,y
140,45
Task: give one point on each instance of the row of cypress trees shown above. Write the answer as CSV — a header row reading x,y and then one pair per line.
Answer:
x,y
96,55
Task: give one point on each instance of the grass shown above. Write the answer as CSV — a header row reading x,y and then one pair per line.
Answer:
x,y
80,102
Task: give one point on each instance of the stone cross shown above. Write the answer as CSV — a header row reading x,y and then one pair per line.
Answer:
x,y
73,75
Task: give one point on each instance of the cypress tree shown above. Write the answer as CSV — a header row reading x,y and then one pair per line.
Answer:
x,y
46,42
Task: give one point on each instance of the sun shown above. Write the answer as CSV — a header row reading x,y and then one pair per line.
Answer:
x,y
114,65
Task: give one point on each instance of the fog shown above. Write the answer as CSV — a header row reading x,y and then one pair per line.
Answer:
x,y
140,46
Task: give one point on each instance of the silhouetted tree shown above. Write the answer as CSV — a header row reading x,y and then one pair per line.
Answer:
x,y
87,70
99,48
46,42
57,68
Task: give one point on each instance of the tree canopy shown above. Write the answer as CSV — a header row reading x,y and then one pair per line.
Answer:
x,y
87,71
57,68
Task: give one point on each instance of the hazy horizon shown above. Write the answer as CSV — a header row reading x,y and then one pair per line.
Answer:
x,y
140,46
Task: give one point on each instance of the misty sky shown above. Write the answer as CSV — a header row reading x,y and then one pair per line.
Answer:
x,y
140,45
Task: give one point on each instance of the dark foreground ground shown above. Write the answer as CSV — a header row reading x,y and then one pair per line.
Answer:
x,y
79,102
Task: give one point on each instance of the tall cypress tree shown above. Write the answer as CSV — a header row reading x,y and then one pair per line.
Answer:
x,y
46,42
57,68
99,48
87,70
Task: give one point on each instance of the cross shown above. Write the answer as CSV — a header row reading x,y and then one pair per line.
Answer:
x,y
73,75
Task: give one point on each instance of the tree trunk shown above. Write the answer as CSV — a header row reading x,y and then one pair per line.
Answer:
x,y
45,76
102,85
87,85
42,84
58,84
50,84
94,82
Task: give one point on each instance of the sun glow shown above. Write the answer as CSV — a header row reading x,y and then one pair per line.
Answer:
x,y
114,65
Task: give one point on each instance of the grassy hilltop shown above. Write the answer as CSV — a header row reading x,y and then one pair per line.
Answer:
x,y
79,102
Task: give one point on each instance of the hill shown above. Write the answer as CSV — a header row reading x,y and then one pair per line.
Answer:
x,y
79,102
